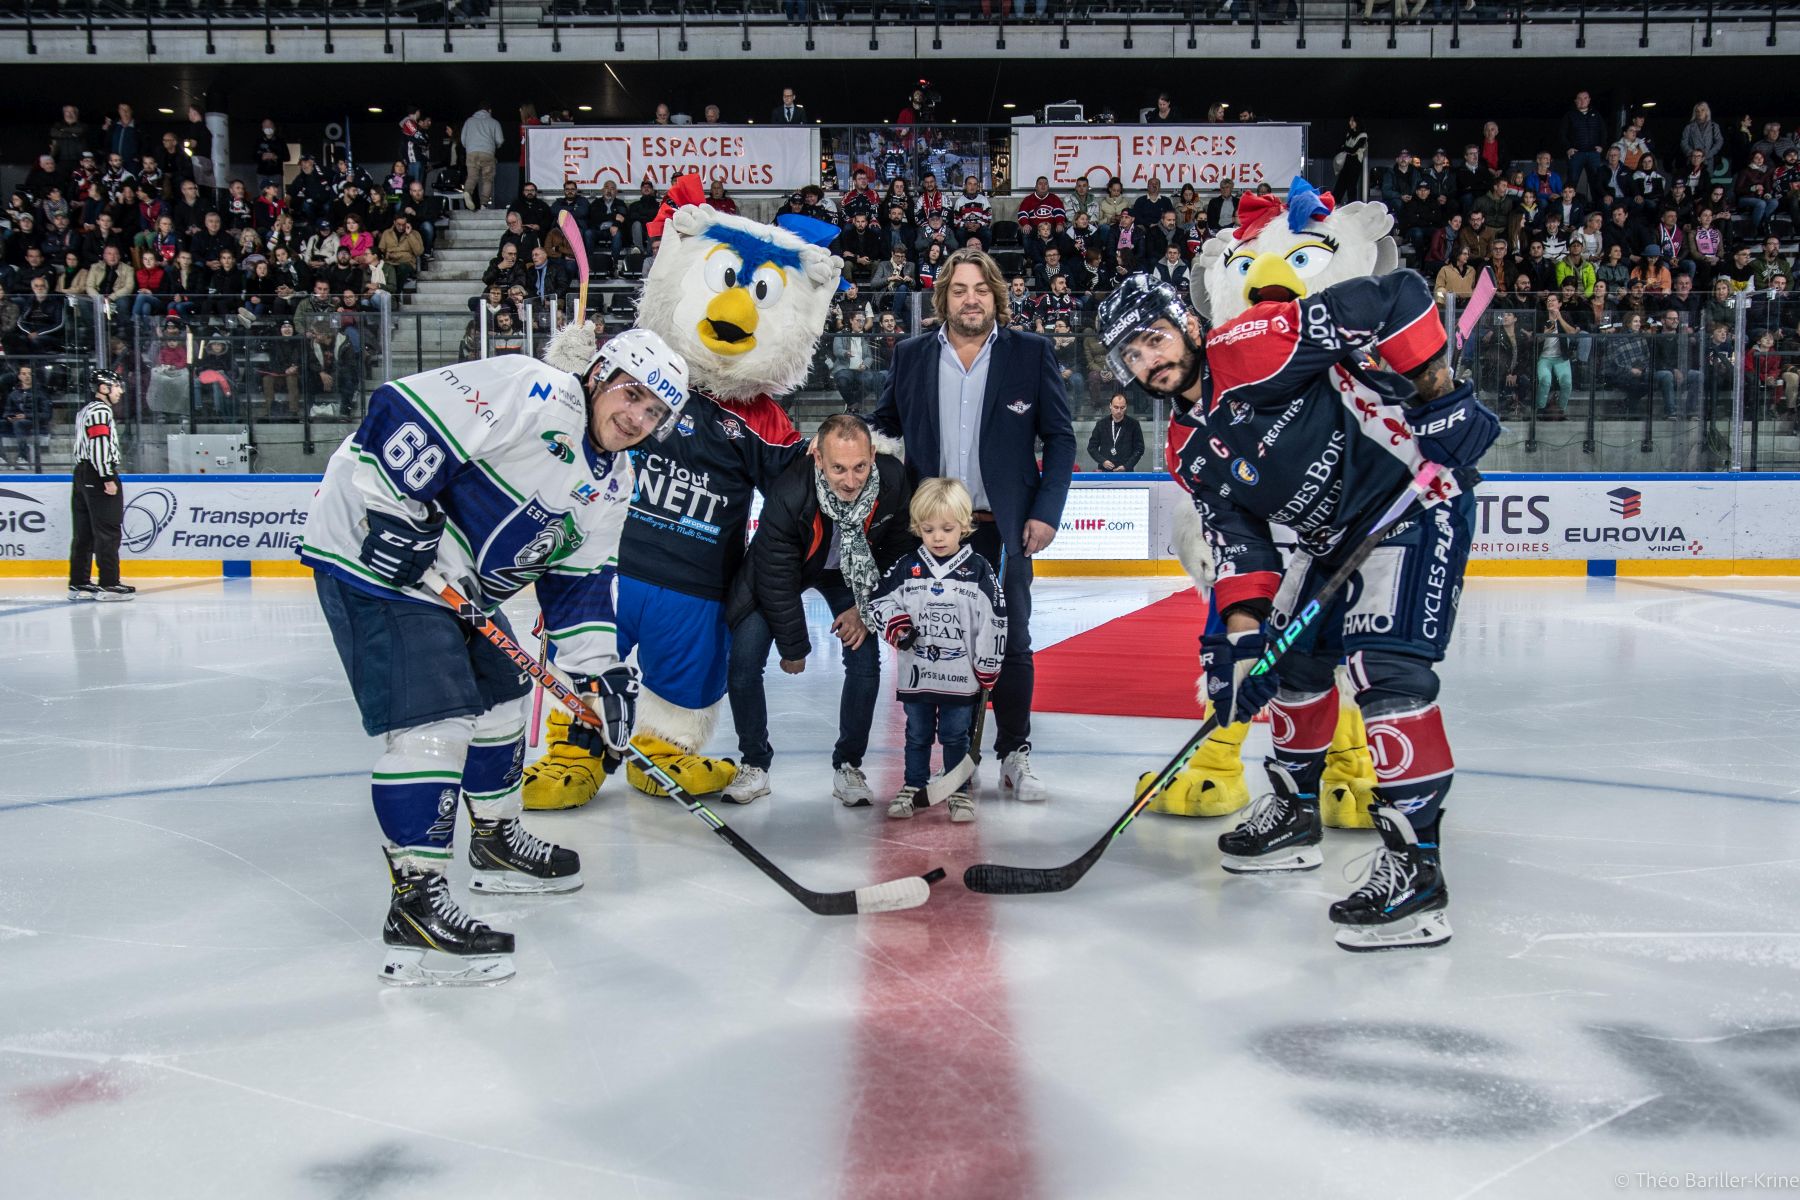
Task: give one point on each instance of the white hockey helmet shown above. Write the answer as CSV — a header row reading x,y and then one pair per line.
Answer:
x,y
645,357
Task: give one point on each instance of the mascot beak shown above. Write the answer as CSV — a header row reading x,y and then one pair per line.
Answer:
x,y
1271,278
730,324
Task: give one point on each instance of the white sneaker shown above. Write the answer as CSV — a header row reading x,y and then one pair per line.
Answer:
x,y
750,783
962,806
1015,774
851,787
900,808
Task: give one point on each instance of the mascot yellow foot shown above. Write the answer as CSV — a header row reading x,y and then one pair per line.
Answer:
x,y
1212,783
1348,787
671,737
567,776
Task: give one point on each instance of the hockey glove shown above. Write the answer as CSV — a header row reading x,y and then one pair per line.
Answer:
x,y
900,633
1236,695
612,695
399,551
1454,430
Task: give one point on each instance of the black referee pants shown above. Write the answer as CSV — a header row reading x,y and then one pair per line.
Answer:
x,y
96,517
1018,677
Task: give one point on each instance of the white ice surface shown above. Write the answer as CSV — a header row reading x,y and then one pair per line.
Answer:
x,y
191,896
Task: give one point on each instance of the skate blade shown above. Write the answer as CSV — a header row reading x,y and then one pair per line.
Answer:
x,y
1408,933
110,598
518,883
406,966
1305,858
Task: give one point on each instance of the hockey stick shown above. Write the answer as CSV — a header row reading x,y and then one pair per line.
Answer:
x,y
537,694
895,894
940,789
566,221
996,879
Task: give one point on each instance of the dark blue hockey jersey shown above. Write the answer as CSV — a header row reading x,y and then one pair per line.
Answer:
x,y
1299,431
691,506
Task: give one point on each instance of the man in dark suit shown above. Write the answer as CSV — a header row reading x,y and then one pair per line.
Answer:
x,y
1116,443
973,400
789,111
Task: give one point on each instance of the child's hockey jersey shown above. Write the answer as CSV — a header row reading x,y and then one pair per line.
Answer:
x,y
956,614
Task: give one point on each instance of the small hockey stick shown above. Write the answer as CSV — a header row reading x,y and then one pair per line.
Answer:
x,y
537,694
996,879
895,894
566,221
940,789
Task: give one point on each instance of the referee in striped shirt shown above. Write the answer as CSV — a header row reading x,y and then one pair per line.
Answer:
x,y
95,503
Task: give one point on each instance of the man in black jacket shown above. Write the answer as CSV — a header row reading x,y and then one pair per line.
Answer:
x,y
805,539
1584,134
1116,443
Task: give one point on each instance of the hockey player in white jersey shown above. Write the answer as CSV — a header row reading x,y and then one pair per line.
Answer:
x,y
497,474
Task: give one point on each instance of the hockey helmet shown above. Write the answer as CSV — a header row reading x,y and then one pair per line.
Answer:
x,y
105,378
646,358
1132,311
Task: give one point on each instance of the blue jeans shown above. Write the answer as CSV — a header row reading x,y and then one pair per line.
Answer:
x,y
949,722
750,643
1585,164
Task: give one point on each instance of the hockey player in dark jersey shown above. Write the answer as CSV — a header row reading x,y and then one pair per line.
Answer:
x,y
1290,427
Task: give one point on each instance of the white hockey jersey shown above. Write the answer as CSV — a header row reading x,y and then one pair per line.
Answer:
x,y
500,447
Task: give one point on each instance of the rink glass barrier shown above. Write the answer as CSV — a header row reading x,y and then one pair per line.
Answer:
x,y
1716,394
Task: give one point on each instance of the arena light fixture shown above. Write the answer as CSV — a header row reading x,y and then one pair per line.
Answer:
x,y
1009,104
1435,104
584,108
1647,104
374,110
167,112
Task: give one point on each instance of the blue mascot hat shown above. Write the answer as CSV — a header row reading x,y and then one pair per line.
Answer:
x,y
1305,203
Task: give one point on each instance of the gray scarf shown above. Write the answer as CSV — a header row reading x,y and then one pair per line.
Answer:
x,y
851,517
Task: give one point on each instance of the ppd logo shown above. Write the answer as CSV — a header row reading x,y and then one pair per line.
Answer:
x,y
1627,503
148,514
22,520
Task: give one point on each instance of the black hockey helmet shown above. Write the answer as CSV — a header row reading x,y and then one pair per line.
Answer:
x,y
1132,310
103,377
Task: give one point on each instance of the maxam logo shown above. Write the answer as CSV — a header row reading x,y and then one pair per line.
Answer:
x,y
1626,502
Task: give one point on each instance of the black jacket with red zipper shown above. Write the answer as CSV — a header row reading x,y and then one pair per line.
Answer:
x,y
793,541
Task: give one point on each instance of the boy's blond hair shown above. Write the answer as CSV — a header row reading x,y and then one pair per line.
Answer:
x,y
940,497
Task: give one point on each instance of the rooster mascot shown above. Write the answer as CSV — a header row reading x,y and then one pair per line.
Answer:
x,y
744,304
1280,250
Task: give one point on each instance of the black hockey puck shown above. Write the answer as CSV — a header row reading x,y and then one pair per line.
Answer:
x,y
933,875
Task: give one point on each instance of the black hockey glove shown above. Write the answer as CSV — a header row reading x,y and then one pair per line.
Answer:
x,y
1454,430
612,695
400,551
1236,695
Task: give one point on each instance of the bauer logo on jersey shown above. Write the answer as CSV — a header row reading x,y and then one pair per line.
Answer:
x,y
557,443
1245,473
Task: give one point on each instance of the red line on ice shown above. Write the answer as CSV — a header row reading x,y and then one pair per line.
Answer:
x,y
938,1107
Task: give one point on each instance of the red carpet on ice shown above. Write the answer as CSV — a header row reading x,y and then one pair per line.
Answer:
x,y
1139,665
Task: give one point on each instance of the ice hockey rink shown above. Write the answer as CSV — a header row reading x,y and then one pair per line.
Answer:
x,y
191,899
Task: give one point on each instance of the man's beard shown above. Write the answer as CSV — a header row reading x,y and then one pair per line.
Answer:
x,y
1185,373
961,324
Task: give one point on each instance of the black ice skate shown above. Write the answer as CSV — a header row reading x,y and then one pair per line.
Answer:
x,y
83,591
1281,833
431,940
115,591
507,858
1401,906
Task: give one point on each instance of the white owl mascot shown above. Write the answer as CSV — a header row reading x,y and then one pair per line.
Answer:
x,y
744,303
1280,249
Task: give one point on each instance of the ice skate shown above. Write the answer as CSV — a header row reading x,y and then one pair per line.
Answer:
x,y
851,787
1281,833
83,591
567,776
431,940
750,783
115,592
1347,790
507,858
900,808
1402,904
